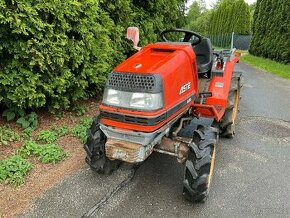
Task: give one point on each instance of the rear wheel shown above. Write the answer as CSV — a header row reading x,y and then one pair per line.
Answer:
x,y
96,154
200,164
228,121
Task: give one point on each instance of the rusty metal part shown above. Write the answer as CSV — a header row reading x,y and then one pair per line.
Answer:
x,y
132,152
127,151
173,148
181,125
182,139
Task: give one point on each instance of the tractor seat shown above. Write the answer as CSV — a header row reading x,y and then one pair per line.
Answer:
x,y
204,55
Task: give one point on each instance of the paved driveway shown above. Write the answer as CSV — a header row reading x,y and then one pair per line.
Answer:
x,y
251,179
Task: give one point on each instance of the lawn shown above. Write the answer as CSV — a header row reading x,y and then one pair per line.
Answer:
x,y
282,70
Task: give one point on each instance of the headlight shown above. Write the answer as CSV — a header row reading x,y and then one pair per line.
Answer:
x,y
133,100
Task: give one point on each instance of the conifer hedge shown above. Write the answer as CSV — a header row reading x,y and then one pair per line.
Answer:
x,y
230,16
55,52
271,30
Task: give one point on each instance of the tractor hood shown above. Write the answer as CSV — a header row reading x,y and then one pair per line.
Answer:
x,y
157,58
151,87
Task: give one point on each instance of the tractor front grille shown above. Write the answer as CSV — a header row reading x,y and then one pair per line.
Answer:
x,y
133,119
150,83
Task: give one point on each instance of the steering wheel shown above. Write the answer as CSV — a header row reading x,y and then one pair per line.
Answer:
x,y
187,35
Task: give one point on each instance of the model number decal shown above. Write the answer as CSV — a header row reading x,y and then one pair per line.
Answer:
x,y
184,88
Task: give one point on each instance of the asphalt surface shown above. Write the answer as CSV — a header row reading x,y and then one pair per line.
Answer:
x,y
251,177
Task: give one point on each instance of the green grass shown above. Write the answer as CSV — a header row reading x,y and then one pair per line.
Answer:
x,y
282,70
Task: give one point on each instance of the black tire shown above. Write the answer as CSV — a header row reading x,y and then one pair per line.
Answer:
x,y
228,122
200,164
95,149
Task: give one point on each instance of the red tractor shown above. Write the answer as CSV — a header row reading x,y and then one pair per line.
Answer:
x,y
174,97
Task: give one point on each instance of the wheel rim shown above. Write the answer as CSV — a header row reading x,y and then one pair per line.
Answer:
x,y
212,163
236,104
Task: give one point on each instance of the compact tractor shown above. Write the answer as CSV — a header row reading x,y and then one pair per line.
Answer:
x,y
175,97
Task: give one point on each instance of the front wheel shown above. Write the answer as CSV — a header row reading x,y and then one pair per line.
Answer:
x,y
95,149
200,164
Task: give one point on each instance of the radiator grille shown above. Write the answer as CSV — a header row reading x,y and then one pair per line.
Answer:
x,y
134,82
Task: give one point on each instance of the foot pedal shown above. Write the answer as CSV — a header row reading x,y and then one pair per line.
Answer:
x,y
205,94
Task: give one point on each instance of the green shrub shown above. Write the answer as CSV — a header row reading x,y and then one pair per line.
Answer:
x,y
52,52
86,121
230,16
51,153
271,30
47,136
12,113
56,52
80,110
60,130
24,121
14,169
151,16
47,153
7,135
80,130
29,121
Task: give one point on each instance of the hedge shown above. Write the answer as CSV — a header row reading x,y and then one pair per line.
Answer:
x,y
230,16
55,52
271,30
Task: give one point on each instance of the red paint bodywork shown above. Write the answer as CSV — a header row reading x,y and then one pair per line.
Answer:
x,y
177,66
215,106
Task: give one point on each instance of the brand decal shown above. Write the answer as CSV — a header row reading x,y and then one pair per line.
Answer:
x,y
184,88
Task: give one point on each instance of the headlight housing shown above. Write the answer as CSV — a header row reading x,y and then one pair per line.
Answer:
x,y
133,100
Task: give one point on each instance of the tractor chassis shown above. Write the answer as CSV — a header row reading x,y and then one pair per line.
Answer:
x,y
135,153
125,146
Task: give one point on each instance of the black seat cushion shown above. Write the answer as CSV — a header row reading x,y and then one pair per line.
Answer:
x,y
204,55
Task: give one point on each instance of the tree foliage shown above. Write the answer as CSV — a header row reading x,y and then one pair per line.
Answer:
x,y
52,52
198,17
55,52
230,16
225,17
271,30
252,11
154,16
